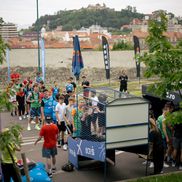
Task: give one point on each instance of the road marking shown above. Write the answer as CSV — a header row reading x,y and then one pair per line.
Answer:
x,y
29,137
29,140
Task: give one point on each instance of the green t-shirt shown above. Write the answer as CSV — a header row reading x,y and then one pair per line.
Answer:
x,y
35,96
159,125
6,158
77,123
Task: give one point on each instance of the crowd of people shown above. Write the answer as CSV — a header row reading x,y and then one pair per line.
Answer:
x,y
58,111
55,112
165,141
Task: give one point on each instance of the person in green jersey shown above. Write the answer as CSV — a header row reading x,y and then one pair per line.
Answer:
x,y
35,104
160,125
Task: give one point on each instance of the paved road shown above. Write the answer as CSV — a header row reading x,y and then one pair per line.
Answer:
x,y
127,165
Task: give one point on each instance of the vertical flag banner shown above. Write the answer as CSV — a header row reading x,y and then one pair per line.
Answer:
x,y
42,45
8,62
137,53
77,61
105,47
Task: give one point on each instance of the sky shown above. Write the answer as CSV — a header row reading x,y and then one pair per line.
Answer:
x,y
23,12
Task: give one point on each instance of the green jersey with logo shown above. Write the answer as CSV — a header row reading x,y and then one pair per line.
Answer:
x,y
35,97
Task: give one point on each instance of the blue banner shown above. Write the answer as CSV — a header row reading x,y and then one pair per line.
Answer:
x,y
93,150
8,62
77,61
43,57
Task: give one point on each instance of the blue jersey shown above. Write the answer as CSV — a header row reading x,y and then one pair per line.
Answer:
x,y
54,111
55,91
69,88
48,106
38,79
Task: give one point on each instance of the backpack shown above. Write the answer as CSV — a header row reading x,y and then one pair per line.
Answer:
x,y
68,167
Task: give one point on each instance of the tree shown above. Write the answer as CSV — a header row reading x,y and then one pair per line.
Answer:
x,y
12,135
163,60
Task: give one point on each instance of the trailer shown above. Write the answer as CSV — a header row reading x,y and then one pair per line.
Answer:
x,y
122,123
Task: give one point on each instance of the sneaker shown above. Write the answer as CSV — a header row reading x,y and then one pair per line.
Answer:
x,y
28,128
173,163
20,118
94,133
53,169
49,174
24,117
59,144
27,116
180,167
37,127
33,122
151,165
144,163
166,165
65,147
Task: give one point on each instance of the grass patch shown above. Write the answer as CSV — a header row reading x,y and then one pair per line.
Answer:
x,y
172,177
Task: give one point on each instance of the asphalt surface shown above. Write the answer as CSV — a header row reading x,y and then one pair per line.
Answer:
x,y
127,166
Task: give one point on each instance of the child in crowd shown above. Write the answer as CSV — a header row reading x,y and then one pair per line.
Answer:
x,y
86,123
35,104
94,102
61,120
12,98
55,102
55,90
73,83
28,90
156,148
69,86
101,113
38,78
20,97
49,150
77,114
85,86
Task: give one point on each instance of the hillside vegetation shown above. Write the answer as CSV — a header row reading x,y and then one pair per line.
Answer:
x,y
84,17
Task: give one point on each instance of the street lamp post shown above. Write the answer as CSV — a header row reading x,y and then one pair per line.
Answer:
x,y
38,35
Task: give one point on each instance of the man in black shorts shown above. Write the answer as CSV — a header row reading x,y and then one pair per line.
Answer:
x,y
61,119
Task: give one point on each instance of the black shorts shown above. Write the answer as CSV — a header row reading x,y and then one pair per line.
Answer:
x,y
101,119
61,126
94,117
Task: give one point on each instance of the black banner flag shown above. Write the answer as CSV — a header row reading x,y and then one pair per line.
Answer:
x,y
105,47
137,53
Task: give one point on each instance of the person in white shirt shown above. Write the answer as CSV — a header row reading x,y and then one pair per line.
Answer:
x,y
61,120
94,102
